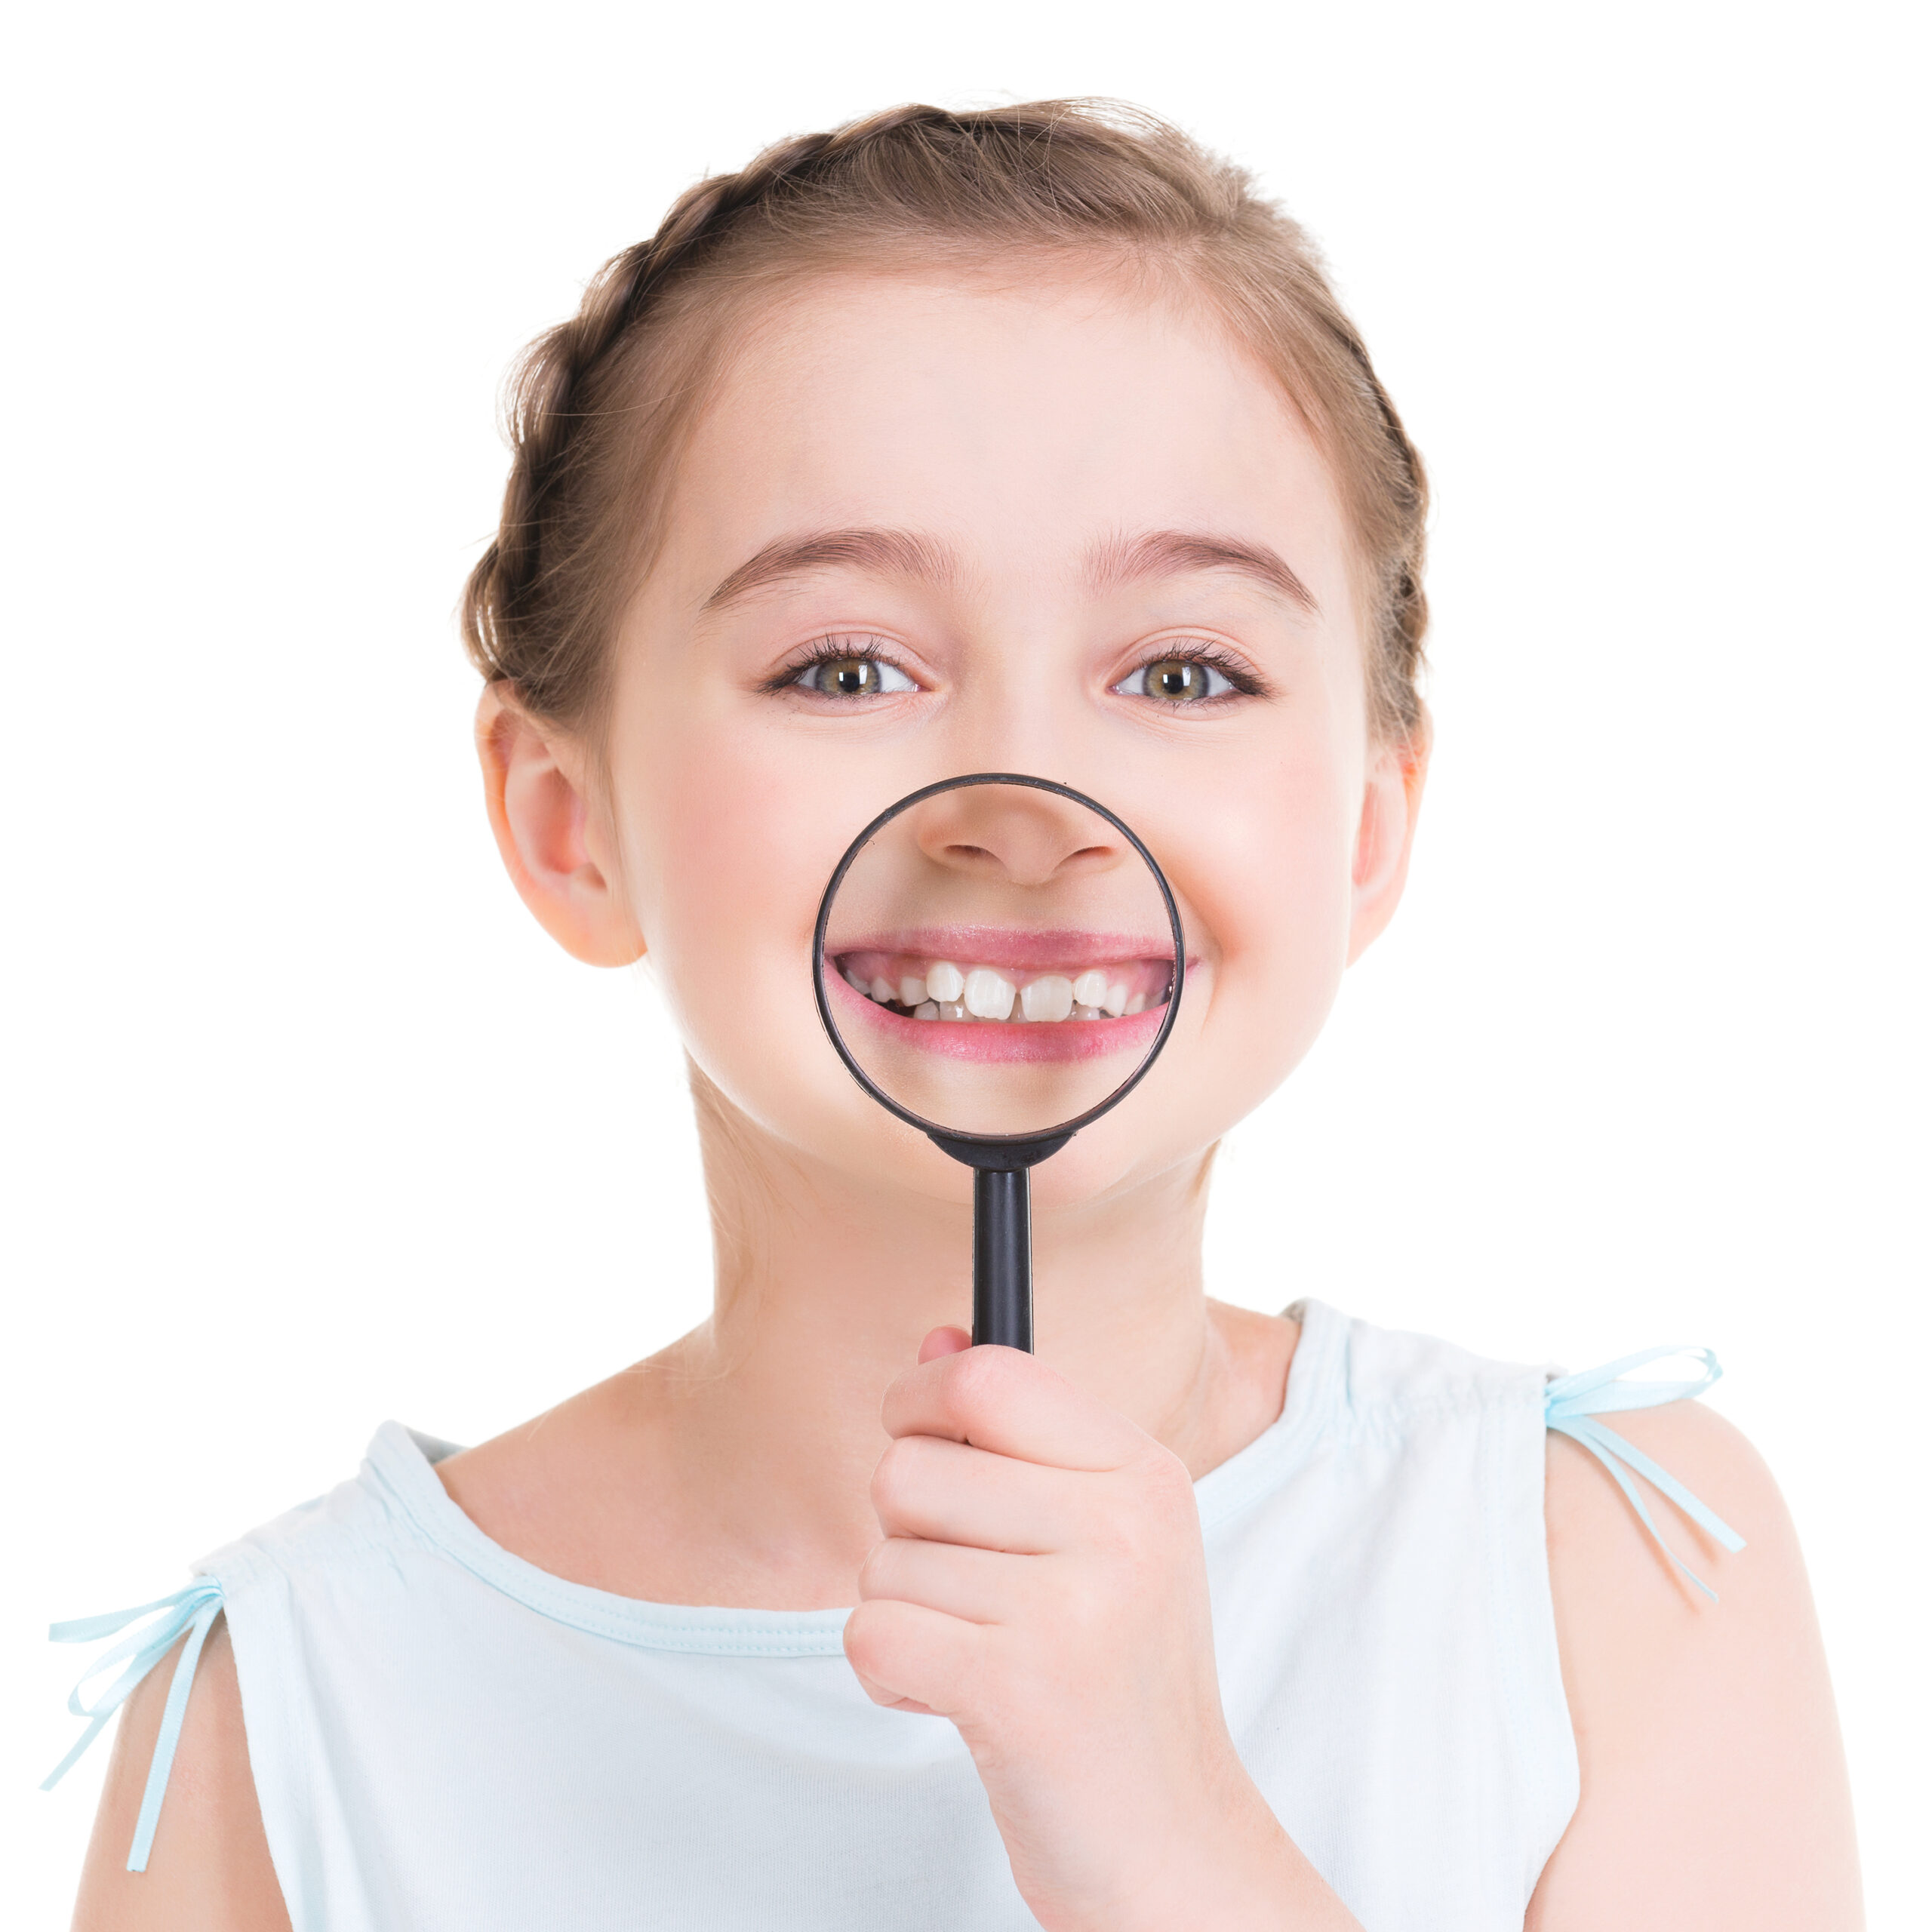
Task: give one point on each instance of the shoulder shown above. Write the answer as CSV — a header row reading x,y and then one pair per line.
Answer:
x,y
1712,1776
209,1869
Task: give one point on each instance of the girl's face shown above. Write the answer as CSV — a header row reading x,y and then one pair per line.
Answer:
x,y
928,530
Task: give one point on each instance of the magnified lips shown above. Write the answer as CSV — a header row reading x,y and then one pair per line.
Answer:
x,y
969,1038
1003,994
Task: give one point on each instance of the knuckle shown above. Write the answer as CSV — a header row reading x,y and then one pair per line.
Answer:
x,y
896,1476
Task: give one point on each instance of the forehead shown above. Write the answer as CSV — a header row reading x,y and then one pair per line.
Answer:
x,y
1019,424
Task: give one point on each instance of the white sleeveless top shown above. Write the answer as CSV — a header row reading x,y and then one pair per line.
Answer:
x,y
443,1736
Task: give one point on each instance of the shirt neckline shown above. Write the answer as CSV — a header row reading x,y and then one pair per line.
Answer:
x,y
401,1463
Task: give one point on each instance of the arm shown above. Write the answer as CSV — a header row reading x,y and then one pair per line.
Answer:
x,y
210,1870
1714,1786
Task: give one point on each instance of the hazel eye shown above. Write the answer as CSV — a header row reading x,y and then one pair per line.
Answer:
x,y
1176,681
854,677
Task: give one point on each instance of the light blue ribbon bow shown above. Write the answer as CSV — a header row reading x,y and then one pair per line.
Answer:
x,y
1572,1403
194,1609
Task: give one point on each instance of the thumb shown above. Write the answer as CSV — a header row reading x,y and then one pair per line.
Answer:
x,y
944,1342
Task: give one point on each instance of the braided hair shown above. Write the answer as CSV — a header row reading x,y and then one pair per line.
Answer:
x,y
596,406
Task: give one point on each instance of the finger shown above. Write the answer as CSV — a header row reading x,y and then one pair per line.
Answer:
x,y
910,1658
950,1492
977,1585
944,1342
1014,1404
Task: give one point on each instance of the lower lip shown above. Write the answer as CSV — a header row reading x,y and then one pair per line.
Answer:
x,y
998,1040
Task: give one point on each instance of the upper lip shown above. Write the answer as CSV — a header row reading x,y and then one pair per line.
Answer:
x,y
1018,949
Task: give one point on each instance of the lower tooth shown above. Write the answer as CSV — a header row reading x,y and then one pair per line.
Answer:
x,y
949,1009
926,1010
1087,1012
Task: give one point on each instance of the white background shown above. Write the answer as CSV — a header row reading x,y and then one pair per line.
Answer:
x,y
308,1125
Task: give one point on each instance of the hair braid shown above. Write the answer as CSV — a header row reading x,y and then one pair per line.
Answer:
x,y
595,406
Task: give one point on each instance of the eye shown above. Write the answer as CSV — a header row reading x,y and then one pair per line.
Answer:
x,y
850,675
1177,680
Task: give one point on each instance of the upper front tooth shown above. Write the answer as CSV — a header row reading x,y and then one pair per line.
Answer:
x,y
881,990
1091,989
1048,998
1115,1001
989,995
912,992
944,981
857,980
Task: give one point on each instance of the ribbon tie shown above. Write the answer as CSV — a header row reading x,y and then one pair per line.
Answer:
x,y
194,1609
1572,1403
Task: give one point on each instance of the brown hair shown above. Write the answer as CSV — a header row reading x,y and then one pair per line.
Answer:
x,y
596,406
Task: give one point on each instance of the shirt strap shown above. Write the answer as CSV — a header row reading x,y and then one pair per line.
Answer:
x,y
1572,1403
193,1610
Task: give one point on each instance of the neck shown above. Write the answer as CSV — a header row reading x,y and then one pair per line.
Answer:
x,y
735,1467
822,1299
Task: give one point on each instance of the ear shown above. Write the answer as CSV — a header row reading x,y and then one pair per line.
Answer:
x,y
558,848
1392,800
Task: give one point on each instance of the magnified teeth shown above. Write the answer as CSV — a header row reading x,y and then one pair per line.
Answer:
x,y
907,985
989,995
1090,989
1049,997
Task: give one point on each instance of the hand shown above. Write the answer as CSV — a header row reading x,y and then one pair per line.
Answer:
x,y
1041,1583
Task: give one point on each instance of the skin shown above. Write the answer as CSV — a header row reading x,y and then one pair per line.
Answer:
x,y
827,1438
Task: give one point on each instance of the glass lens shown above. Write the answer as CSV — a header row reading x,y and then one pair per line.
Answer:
x,y
998,959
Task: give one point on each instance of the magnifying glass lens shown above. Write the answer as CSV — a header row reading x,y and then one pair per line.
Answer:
x,y
998,959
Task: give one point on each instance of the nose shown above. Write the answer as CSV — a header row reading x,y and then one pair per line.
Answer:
x,y
1016,834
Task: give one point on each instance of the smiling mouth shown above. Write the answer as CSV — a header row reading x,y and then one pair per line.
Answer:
x,y
944,991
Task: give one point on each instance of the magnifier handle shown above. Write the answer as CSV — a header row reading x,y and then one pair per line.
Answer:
x,y
1003,1258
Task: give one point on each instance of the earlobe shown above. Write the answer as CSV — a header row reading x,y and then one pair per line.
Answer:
x,y
1392,800
558,856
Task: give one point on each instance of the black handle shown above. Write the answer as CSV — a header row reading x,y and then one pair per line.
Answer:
x,y
1003,1258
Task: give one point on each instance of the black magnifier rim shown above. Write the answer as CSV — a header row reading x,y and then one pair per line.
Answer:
x,y
937,1129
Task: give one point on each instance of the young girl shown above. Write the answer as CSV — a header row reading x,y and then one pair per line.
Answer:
x,y
1030,441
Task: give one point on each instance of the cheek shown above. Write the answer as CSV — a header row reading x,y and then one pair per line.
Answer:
x,y
730,834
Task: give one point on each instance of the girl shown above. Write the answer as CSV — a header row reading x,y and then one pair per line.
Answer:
x,y
1030,441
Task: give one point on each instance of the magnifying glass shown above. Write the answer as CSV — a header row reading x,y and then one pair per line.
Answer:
x,y
998,961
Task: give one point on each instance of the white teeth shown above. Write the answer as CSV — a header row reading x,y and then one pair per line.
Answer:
x,y
989,995
1090,989
1050,998
946,992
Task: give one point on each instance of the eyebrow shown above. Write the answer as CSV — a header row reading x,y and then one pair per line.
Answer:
x,y
1123,560
1117,561
880,552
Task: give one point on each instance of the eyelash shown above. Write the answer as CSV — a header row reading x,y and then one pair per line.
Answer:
x,y
869,650
1197,650
829,651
